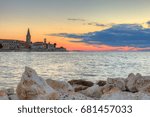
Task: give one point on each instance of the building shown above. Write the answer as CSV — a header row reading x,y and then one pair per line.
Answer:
x,y
28,45
61,49
23,45
43,45
9,44
51,47
28,37
37,45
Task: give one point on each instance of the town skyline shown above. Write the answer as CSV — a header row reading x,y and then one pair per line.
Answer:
x,y
15,45
94,25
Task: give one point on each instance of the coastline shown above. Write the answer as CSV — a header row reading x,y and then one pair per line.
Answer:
x,y
34,87
33,50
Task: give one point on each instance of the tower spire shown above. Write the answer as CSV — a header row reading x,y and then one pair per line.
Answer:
x,y
28,37
28,33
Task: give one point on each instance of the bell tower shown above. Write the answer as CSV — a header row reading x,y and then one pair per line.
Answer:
x,y
28,37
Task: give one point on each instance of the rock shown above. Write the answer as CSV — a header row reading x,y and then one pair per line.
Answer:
x,y
109,88
74,96
3,95
145,89
4,98
143,96
131,80
10,91
113,90
81,82
80,88
33,87
138,75
101,83
137,82
117,82
94,91
13,97
142,82
121,84
125,96
59,85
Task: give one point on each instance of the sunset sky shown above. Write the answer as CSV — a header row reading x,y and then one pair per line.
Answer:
x,y
89,25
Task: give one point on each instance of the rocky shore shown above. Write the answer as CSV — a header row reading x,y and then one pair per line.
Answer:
x,y
34,87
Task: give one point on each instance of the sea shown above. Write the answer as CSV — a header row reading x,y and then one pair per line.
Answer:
x,y
92,66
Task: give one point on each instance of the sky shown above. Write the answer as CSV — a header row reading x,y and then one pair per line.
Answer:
x,y
88,25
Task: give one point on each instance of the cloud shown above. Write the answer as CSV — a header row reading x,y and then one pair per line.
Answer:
x,y
148,23
77,36
74,19
133,35
88,23
96,24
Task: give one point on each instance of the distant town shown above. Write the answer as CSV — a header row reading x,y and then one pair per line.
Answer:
x,y
7,45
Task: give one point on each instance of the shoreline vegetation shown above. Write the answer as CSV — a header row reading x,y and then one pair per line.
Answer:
x,y
34,87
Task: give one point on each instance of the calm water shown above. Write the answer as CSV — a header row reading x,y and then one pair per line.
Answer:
x,y
72,65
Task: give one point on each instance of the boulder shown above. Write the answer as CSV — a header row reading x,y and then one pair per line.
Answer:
x,y
109,88
125,96
3,95
81,82
101,83
13,97
33,87
94,91
10,91
145,89
117,82
142,82
137,82
131,80
59,85
74,96
80,88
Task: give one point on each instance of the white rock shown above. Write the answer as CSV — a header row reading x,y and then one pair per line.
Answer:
x,y
59,85
78,88
4,98
94,91
137,82
10,91
143,83
13,97
108,89
74,96
117,82
3,95
131,80
34,87
125,96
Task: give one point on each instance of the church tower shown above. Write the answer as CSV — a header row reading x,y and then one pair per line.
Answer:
x,y
28,37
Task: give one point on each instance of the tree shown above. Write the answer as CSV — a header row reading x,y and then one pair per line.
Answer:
x,y
55,45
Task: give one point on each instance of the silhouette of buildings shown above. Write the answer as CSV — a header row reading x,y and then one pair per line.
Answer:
x,y
27,45
9,44
28,37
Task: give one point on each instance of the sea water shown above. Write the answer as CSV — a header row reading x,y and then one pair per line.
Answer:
x,y
91,66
